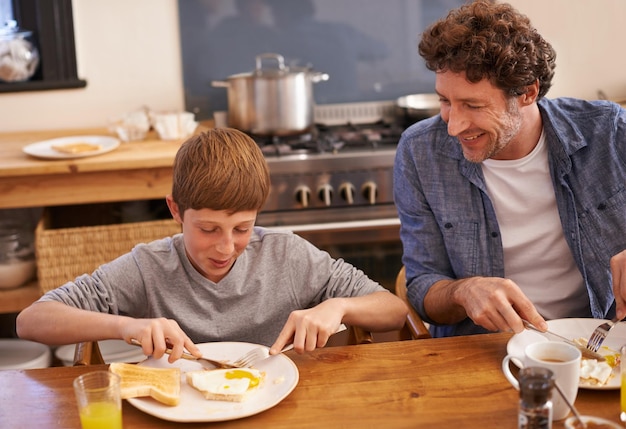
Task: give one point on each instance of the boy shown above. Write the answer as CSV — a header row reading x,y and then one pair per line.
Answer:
x,y
221,279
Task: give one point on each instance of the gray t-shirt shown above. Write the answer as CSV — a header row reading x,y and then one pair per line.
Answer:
x,y
278,272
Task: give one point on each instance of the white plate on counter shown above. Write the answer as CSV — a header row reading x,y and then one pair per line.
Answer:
x,y
572,329
281,377
43,149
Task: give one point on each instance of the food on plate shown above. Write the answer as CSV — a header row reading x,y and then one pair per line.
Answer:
x,y
162,384
597,373
73,148
232,385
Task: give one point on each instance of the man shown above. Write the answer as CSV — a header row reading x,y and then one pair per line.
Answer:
x,y
512,206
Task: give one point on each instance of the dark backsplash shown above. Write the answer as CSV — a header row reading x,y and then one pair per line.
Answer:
x,y
368,48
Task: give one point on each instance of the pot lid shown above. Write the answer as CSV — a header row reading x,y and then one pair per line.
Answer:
x,y
273,65
278,71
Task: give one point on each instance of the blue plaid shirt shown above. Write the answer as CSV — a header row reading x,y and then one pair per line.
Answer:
x,y
449,227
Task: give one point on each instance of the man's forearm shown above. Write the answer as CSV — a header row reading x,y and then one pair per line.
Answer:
x,y
440,304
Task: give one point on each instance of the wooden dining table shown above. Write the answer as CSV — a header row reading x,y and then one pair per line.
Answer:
x,y
431,383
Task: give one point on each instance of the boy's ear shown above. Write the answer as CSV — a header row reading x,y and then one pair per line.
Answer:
x,y
171,204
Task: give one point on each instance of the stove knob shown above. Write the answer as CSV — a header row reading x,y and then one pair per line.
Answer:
x,y
346,189
325,193
303,195
370,192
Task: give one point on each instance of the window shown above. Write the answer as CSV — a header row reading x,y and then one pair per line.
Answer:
x,y
52,25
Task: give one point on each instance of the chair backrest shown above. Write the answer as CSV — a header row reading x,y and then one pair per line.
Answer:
x,y
414,326
87,353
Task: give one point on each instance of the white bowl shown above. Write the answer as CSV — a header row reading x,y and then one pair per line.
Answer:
x,y
23,354
16,273
112,351
570,423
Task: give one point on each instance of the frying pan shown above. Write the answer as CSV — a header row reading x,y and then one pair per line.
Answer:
x,y
415,107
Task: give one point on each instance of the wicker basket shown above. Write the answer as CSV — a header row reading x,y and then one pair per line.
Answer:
x,y
63,254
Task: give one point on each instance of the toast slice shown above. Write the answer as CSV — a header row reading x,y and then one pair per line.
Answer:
x,y
162,384
73,148
231,385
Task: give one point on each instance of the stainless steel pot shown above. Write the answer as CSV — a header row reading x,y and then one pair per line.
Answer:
x,y
273,101
415,107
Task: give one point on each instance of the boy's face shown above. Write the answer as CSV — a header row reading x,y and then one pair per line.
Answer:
x,y
214,239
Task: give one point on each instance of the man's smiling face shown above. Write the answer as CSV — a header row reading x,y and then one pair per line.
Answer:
x,y
480,116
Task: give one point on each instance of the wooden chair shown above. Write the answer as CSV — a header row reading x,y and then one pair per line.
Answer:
x,y
414,328
87,353
359,336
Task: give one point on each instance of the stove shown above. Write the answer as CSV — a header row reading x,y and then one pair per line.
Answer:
x,y
322,139
341,171
334,186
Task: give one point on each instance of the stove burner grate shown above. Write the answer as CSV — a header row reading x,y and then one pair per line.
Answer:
x,y
333,139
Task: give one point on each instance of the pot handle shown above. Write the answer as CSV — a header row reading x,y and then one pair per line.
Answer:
x,y
220,84
319,77
280,60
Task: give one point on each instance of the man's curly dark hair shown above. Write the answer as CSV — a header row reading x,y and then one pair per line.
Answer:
x,y
490,40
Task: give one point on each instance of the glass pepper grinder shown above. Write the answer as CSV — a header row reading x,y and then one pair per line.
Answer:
x,y
535,404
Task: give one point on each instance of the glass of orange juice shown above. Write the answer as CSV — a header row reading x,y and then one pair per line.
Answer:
x,y
99,400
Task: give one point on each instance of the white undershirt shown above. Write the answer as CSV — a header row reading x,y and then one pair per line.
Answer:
x,y
536,255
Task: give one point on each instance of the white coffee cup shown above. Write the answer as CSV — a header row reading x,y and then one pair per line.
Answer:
x,y
562,359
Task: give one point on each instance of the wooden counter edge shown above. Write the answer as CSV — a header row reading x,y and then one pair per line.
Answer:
x,y
17,299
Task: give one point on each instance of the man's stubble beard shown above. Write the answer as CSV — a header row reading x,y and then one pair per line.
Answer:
x,y
510,126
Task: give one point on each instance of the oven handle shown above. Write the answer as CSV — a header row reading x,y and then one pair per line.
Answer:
x,y
343,226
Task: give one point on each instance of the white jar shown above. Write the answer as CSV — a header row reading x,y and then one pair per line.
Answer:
x,y
17,255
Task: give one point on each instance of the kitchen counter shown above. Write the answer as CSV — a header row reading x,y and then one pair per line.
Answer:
x,y
134,171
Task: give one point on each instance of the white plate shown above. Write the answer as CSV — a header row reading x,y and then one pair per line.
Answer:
x,y
572,329
112,351
22,354
43,149
281,377
570,423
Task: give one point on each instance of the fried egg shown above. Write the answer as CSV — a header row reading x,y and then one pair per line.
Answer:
x,y
597,372
225,384
594,371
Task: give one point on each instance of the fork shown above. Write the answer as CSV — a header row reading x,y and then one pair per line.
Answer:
x,y
260,353
256,354
189,356
599,334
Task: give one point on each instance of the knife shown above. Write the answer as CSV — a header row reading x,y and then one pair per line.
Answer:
x,y
189,356
588,354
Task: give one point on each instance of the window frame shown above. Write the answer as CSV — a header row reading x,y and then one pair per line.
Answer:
x,y
51,22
